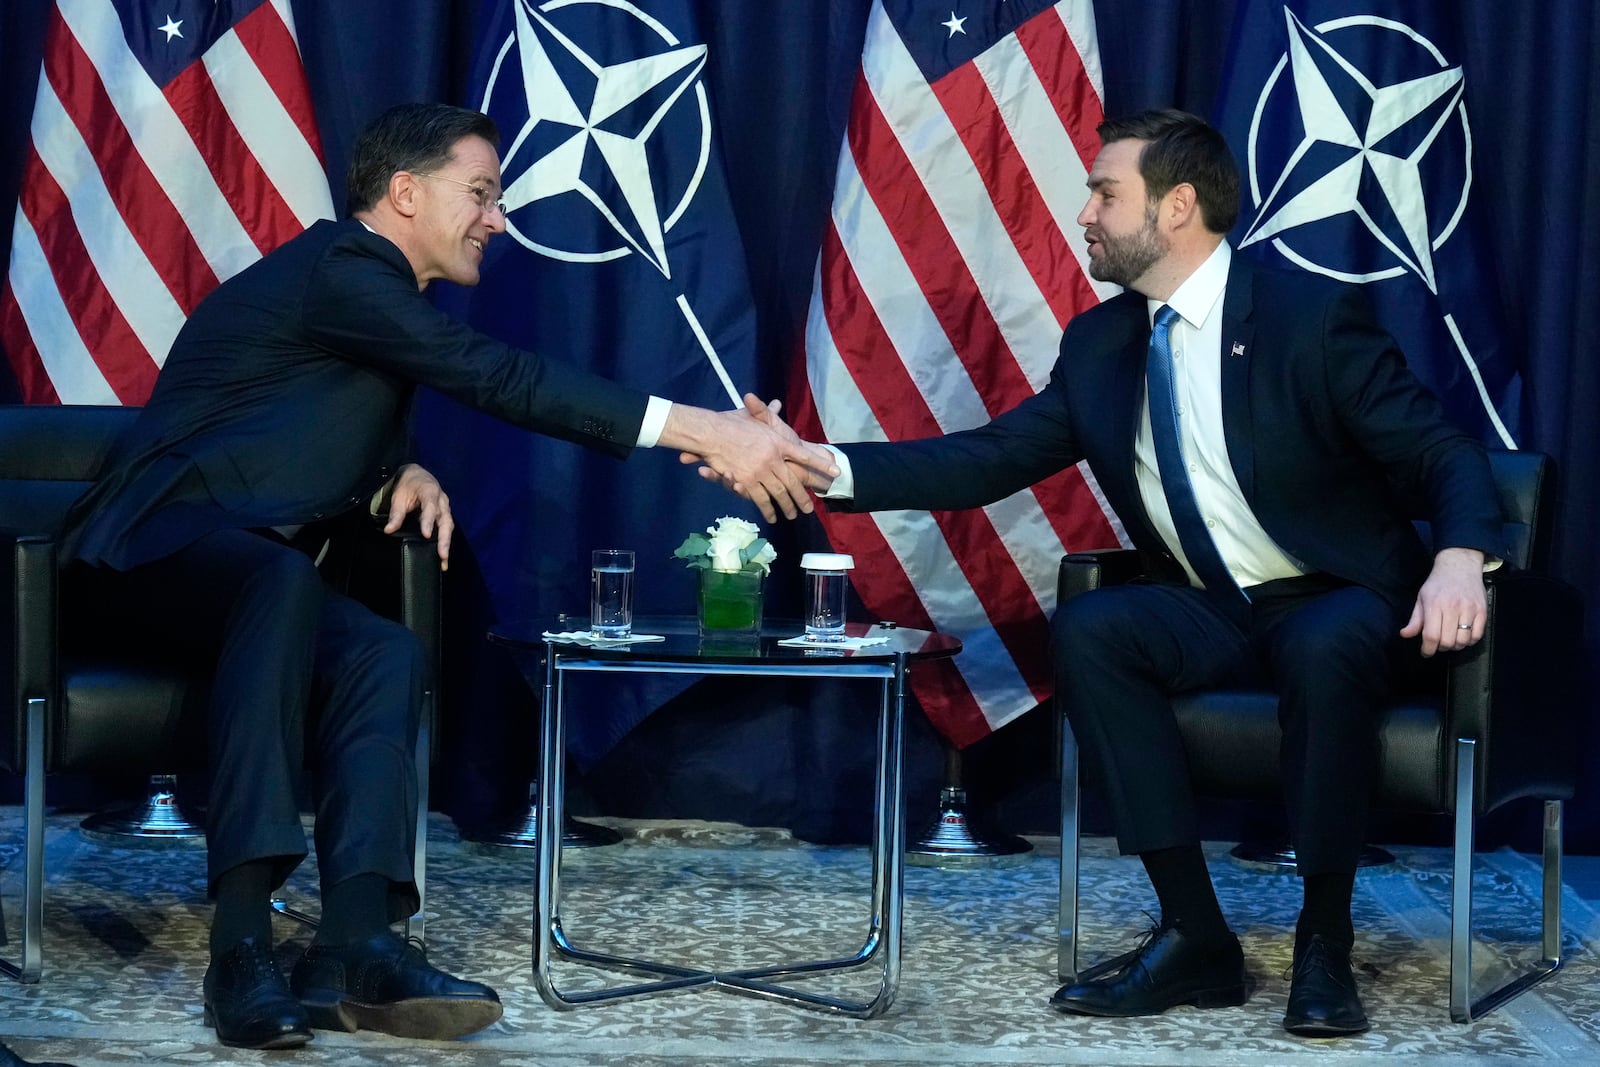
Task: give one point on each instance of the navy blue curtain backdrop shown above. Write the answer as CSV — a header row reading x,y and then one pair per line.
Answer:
x,y
779,78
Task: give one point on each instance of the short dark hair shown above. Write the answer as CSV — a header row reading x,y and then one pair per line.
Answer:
x,y
414,137
1181,147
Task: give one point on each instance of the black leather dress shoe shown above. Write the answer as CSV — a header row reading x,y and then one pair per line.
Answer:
x,y
1169,969
11,1059
1323,1001
249,1003
387,984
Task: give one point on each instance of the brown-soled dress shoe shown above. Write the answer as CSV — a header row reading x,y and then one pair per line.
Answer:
x,y
1169,969
1323,1001
249,1003
387,984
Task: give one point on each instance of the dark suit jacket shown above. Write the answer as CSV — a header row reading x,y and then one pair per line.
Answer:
x,y
1335,443
284,400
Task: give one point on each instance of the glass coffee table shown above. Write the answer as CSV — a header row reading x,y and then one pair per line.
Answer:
x,y
683,652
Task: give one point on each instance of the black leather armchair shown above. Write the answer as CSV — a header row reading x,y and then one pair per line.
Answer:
x,y
1499,727
72,710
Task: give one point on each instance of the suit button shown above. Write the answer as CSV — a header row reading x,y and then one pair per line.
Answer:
x,y
384,472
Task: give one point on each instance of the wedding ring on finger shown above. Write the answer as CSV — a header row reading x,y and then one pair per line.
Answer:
x,y
1463,626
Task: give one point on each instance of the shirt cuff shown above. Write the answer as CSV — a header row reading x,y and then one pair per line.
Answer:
x,y
844,486
655,420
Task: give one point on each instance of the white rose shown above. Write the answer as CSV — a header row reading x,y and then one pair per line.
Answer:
x,y
728,536
725,556
740,531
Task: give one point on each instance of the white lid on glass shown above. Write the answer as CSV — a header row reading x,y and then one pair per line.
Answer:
x,y
826,561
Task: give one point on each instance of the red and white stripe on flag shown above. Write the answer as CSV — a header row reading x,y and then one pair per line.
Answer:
x,y
139,196
948,272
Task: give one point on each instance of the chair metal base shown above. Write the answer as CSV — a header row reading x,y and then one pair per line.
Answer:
x,y
157,822
1465,1004
1281,857
953,841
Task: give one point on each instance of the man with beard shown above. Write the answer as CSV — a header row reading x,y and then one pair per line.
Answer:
x,y
1253,430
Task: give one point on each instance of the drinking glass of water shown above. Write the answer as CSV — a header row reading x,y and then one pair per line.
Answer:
x,y
825,582
611,593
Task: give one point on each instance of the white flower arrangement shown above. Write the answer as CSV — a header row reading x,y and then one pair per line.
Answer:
x,y
730,545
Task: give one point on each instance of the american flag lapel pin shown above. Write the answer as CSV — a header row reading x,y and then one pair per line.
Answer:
x,y
1238,348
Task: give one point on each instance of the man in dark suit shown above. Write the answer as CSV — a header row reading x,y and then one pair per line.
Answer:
x,y
281,407
1254,431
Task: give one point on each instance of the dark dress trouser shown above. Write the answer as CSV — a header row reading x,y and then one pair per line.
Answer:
x,y
304,677
1328,650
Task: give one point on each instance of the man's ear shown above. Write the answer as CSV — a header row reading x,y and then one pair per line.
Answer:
x,y
1180,207
403,190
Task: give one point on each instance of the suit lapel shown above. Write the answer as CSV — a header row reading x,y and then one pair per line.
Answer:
x,y
1238,349
1127,386
1121,413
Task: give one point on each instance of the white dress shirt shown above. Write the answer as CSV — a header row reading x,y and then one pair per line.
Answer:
x,y
1250,554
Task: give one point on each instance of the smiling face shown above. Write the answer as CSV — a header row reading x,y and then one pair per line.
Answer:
x,y
1119,222
455,214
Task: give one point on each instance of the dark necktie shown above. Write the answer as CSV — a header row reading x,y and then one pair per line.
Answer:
x,y
1198,546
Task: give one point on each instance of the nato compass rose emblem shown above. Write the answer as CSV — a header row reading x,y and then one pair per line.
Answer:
x,y
1379,179
613,134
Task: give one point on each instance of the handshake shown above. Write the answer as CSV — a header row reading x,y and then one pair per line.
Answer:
x,y
752,452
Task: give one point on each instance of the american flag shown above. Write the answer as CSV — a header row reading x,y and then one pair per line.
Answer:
x,y
947,275
173,144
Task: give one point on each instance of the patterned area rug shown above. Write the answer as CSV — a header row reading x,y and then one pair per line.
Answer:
x,y
126,934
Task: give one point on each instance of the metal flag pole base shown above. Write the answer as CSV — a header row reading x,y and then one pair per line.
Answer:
x,y
1281,856
951,840
156,822
523,832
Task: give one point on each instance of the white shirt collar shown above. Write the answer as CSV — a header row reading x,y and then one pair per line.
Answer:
x,y
1201,292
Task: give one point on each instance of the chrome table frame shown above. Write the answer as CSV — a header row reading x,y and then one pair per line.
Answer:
x,y
882,943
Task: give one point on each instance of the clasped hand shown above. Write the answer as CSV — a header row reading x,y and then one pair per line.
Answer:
x,y
758,456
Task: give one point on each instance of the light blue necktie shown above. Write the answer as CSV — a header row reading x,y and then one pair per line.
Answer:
x,y
1198,546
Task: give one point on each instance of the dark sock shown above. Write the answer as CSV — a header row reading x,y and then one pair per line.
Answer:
x,y
354,910
243,906
1327,909
1183,886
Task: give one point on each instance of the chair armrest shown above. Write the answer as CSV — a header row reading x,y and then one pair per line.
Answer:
x,y
421,607
1515,692
27,635
420,588
1083,571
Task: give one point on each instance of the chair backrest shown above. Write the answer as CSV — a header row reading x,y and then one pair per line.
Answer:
x,y
49,454
1527,497
1524,481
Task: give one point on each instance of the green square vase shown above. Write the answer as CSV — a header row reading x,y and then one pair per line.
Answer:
x,y
730,604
